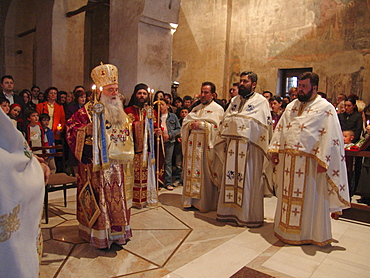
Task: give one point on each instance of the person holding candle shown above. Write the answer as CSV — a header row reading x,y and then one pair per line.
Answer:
x,y
55,111
100,136
144,180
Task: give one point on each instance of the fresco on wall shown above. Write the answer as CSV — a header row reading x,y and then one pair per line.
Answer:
x,y
338,28
331,36
234,70
176,68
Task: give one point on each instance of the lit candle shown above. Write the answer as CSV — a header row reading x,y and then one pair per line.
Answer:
x,y
368,122
93,87
59,127
101,89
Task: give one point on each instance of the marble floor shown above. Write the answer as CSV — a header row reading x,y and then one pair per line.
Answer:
x,y
170,242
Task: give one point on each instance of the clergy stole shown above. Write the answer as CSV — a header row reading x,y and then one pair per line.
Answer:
x,y
294,185
236,163
195,155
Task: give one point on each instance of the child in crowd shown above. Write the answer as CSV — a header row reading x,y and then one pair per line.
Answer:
x,y
35,134
5,105
348,136
50,161
15,115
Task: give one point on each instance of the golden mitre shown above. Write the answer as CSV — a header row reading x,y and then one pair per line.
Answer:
x,y
104,74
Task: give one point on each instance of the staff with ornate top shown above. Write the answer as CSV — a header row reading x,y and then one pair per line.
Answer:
x,y
105,170
144,121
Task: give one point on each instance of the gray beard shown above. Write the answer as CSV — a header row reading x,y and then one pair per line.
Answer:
x,y
113,110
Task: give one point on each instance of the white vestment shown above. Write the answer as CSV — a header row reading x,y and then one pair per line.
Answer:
x,y
21,198
308,135
240,155
199,191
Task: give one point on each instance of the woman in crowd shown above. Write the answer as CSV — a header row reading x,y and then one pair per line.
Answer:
x,y
27,100
351,119
41,97
70,98
79,102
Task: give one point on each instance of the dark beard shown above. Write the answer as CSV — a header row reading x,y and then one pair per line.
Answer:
x,y
305,97
245,91
140,104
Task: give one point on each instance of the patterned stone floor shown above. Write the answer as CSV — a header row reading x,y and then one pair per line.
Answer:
x,y
170,242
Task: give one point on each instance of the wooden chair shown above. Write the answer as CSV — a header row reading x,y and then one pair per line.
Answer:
x,y
58,181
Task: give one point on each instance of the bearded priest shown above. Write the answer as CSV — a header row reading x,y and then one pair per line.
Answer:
x,y
99,135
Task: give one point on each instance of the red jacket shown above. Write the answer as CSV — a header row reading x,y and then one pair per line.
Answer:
x,y
58,117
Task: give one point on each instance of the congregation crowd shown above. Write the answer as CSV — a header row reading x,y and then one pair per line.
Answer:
x,y
227,155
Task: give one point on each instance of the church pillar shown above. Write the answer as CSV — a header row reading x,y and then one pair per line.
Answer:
x,y
43,44
59,45
141,42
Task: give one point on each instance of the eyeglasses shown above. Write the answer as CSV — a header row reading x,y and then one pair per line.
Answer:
x,y
112,90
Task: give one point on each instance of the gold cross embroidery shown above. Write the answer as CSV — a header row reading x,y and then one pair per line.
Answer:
x,y
322,131
295,211
336,173
328,113
298,146
297,192
299,173
242,127
309,110
295,109
302,127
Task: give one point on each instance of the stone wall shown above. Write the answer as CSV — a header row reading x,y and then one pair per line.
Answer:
x,y
331,36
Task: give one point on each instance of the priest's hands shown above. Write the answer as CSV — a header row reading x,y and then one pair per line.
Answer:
x,y
195,125
45,168
89,129
160,132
